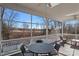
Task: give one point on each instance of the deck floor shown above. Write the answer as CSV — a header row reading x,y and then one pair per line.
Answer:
x,y
69,51
64,51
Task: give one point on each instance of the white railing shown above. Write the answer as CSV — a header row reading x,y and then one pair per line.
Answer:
x,y
11,45
8,46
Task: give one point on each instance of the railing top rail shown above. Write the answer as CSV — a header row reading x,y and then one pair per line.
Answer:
x,y
34,37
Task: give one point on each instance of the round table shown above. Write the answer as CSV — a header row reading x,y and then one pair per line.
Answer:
x,y
41,48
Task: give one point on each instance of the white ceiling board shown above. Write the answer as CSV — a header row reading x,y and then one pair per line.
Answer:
x,y
20,7
58,12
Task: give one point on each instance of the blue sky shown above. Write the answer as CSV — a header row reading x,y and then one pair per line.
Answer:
x,y
24,17
72,22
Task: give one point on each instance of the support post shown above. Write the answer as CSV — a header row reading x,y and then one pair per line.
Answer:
x,y
0,35
75,17
62,29
1,38
46,28
31,26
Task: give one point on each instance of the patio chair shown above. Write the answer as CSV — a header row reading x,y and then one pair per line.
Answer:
x,y
22,48
57,47
24,51
54,51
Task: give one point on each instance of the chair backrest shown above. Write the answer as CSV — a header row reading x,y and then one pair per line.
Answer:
x,y
22,48
63,40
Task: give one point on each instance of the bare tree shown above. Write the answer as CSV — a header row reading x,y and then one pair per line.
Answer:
x,y
4,26
10,21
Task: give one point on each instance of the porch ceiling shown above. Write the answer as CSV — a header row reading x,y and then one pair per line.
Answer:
x,y
61,12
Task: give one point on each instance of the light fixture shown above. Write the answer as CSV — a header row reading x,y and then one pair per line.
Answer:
x,y
51,5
